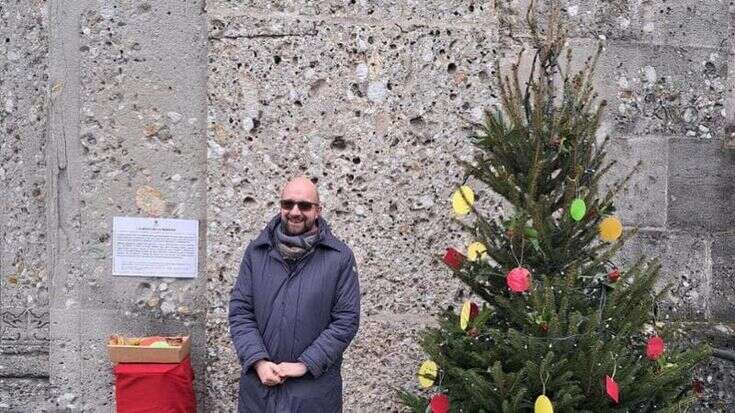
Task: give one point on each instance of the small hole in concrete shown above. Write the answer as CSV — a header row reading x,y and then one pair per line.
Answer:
x,y
338,143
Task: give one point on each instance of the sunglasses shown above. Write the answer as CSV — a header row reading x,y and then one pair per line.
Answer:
x,y
304,206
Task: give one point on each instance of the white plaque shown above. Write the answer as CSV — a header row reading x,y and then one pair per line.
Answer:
x,y
155,247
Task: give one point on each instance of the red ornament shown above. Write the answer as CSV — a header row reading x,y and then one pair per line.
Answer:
x,y
544,328
613,275
518,280
473,332
612,389
698,387
654,347
439,403
453,258
474,311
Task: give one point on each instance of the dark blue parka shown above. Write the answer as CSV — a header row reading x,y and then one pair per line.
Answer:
x,y
308,314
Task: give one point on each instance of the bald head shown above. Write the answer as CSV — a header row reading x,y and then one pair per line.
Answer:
x,y
299,205
303,187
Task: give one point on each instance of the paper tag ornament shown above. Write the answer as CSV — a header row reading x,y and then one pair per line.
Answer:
x,y
612,389
439,403
610,229
654,347
543,405
518,280
578,209
476,250
462,204
469,312
427,374
453,258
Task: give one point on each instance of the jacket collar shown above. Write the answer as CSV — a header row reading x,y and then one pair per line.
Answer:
x,y
266,235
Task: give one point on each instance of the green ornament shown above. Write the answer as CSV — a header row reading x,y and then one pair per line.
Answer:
x,y
578,209
530,232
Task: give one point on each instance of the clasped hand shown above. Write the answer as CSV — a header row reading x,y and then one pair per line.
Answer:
x,y
272,374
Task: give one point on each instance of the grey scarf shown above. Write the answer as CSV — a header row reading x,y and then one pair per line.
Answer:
x,y
293,247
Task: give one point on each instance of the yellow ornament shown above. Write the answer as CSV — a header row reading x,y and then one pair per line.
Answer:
x,y
475,250
427,374
462,204
469,311
543,405
610,229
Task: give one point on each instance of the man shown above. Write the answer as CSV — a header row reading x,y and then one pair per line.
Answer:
x,y
294,309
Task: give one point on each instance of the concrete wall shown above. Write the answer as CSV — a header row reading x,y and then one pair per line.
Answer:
x,y
103,116
370,98
24,270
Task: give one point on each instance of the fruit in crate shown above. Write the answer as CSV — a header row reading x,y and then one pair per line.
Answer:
x,y
147,341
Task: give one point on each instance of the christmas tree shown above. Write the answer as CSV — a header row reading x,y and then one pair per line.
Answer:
x,y
561,327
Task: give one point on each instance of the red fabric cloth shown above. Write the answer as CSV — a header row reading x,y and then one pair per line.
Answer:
x,y
154,387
